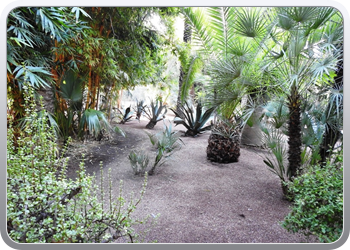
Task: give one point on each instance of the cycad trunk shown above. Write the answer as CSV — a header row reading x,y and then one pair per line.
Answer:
x,y
222,149
294,132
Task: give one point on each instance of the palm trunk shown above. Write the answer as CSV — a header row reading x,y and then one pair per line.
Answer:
x,y
294,133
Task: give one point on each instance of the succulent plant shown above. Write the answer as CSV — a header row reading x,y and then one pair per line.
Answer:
x,y
194,119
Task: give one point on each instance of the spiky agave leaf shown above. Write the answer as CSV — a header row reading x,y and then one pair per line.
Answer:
x,y
155,114
194,121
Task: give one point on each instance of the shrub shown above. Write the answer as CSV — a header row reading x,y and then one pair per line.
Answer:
x,y
44,206
318,203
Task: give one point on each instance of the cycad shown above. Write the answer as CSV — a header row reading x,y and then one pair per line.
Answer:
x,y
224,142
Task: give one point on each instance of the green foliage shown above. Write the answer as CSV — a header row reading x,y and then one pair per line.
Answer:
x,y
191,64
30,32
318,202
165,142
71,91
44,206
226,128
194,119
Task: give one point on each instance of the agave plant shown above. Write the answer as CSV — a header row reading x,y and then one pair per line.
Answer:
x,y
139,109
166,142
125,115
155,113
194,121
224,142
139,162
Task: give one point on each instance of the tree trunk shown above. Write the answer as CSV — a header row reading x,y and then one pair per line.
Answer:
x,y
294,133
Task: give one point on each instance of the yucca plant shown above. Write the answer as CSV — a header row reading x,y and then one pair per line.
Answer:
x,y
224,142
194,118
155,113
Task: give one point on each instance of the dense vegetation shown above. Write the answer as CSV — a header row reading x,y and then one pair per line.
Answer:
x,y
273,75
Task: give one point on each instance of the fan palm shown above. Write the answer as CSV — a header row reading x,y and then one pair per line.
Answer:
x,y
283,50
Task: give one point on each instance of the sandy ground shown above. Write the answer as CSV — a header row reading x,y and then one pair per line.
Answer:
x,y
197,201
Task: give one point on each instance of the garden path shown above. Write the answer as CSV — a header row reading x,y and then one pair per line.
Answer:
x,y
197,201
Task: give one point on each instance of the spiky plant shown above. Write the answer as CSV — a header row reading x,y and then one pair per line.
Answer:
x,y
125,115
165,142
139,162
139,109
224,142
294,132
194,121
155,113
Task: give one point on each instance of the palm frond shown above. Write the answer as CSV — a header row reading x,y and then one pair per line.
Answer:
x,y
250,23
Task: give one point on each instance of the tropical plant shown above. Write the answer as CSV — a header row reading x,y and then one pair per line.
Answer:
x,y
224,141
155,113
194,119
93,122
318,202
165,142
32,33
286,51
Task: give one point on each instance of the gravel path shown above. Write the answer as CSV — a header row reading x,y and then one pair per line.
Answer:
x,y
198,201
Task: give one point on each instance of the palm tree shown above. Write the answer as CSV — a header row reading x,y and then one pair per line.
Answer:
x,y
287,51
